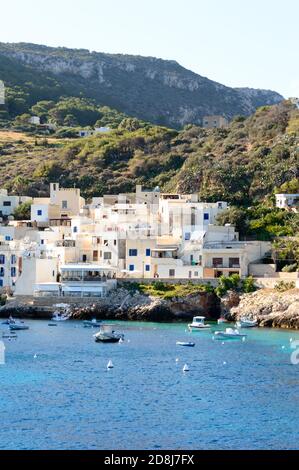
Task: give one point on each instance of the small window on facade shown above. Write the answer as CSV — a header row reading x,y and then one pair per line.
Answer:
x,y
171,272
148,252
64,205
7,238
75,229
1,272
147,267
2,259
6,203
206,216
39,212
13,272
131,267
133,252
13,259
187,236
107,255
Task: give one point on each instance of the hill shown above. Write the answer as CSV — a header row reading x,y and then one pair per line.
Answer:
x,y
154,90
244,164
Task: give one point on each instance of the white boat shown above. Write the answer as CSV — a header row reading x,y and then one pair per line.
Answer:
x,y
107,335
60,316
198,324
229,333
222,320
246,323
94,323
18,326
186,344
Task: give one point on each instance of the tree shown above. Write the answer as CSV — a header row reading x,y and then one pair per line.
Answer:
x,y
235,216
22,212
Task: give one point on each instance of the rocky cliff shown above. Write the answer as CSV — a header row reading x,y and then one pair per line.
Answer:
x,y
271,308
156,90
126,305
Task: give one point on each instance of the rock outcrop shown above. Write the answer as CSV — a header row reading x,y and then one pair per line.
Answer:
x,y
159,91
271,308
123,304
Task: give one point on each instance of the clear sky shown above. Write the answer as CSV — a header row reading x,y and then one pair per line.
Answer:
x,y
235,42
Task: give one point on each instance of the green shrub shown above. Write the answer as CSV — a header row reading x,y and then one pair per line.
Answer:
x,y
283,286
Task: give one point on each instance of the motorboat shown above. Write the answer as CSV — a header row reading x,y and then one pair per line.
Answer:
x,y
18,326
186,344
94,323
229,333
198,324
9,335
246,323
107,335
222,320
60,316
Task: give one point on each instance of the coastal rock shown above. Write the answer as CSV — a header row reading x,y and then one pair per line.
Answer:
x,y
229,301
270,308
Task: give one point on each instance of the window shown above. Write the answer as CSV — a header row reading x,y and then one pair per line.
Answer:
x,y
148,252
234,262
2,259
84,258
171,272
75,229
107,255
206,216
64,205
39,212
133,252
114,242
13,272
147,267
95,255
195,273
131,267
7,238
6,203
1,283
1,272
42,242
13,259
187,236
217,262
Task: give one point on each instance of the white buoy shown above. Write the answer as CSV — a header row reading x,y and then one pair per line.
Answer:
x,y
110,365
121,341
244,339
186,368
283,347
224,363
177,359
35,356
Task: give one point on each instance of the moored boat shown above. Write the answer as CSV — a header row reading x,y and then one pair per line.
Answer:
x,y
229,333
107,335
18,326
94,323
246,323
198,324
186,344
222,320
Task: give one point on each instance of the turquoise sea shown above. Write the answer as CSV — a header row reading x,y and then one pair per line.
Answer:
x,y
56,391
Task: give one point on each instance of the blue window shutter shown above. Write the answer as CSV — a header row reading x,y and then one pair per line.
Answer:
x,y
148,252
131,267
206,216
147,267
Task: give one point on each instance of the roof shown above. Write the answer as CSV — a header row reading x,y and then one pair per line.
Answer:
x,y
86,267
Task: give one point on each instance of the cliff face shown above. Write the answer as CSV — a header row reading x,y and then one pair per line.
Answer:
x,y
279,310
160,91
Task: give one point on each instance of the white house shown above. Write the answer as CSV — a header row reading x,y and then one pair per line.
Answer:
x,y
287,201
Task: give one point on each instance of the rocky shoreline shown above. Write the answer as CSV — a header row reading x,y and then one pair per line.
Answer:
x,y
125,305
269,307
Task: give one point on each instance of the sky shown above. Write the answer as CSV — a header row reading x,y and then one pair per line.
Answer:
x,y
250,43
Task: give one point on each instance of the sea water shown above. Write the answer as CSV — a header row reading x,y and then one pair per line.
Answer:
x,y
57,393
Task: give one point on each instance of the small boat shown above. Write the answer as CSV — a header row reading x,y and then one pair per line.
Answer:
x,y
11,335
110,365
229,333
186,368
107,335
60,316
222,320
94,323
246,323
18,326
186,344
52,324
198,324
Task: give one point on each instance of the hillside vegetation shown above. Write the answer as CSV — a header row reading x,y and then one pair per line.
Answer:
x,y
244,164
